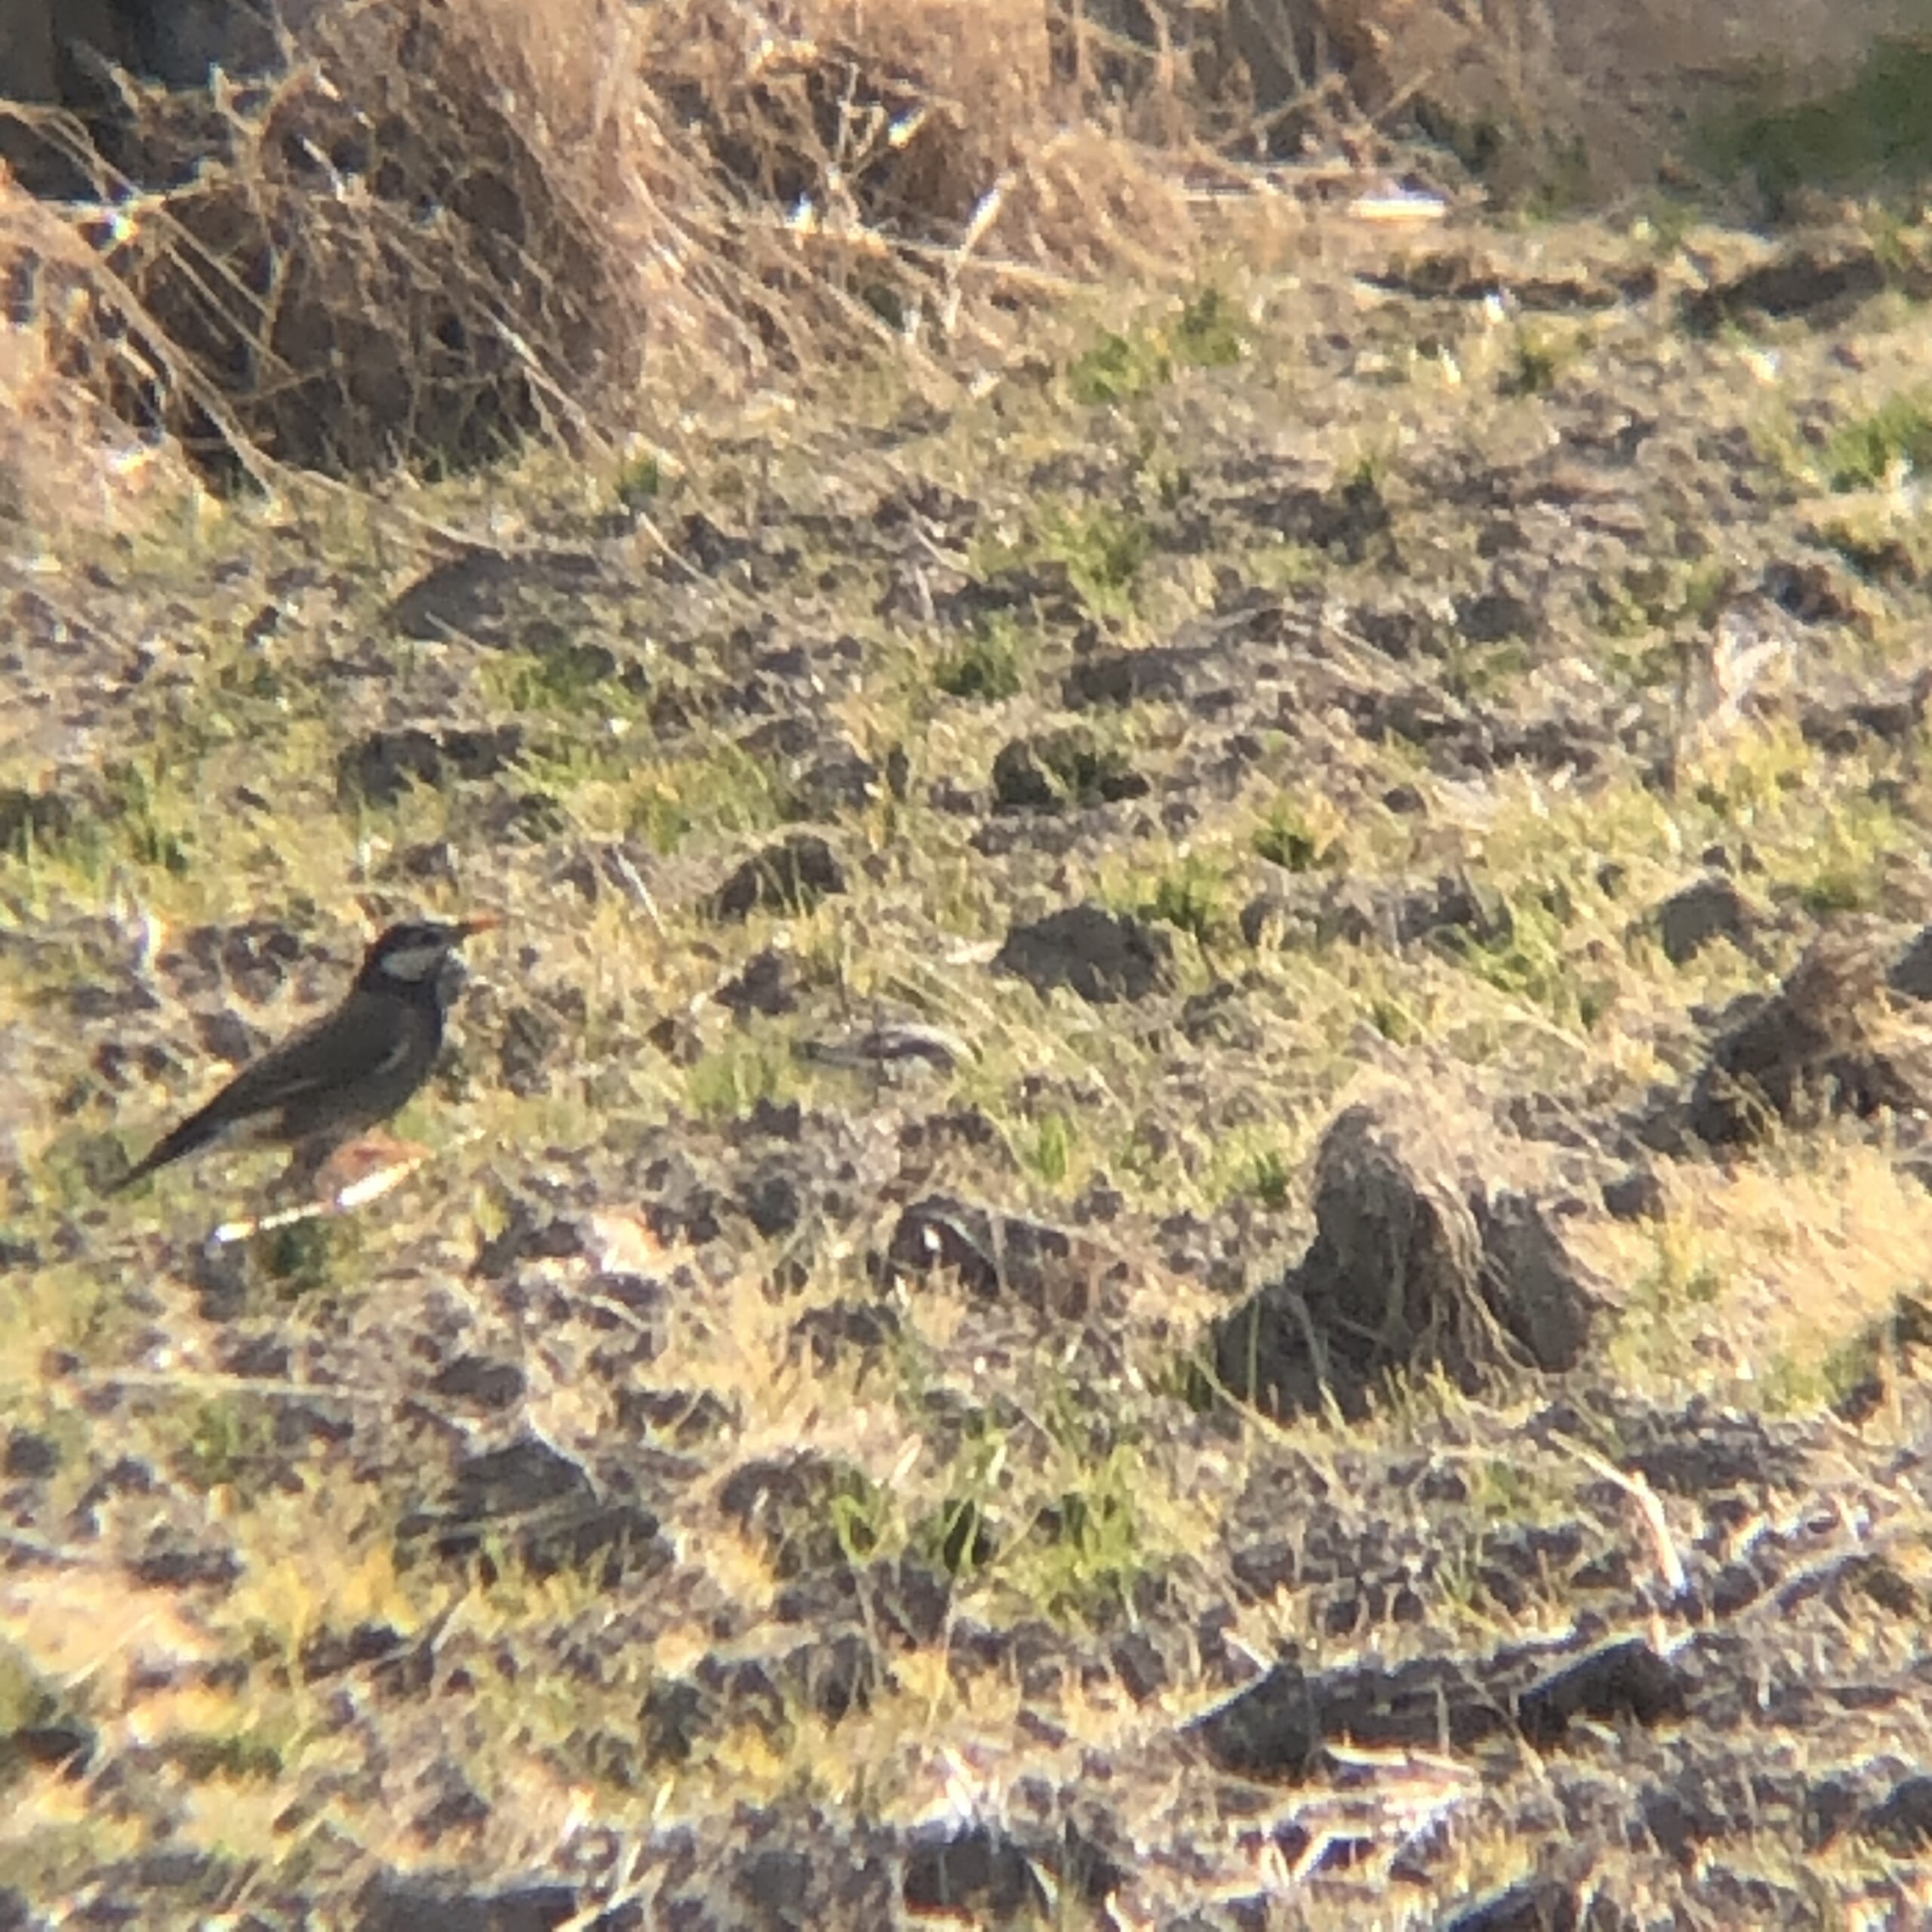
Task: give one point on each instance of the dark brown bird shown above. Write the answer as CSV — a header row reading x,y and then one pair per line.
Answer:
x,y
344,1073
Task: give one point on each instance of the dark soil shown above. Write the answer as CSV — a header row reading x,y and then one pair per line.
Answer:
x,y
1189,1190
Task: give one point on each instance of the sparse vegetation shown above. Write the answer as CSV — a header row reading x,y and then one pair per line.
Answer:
x,y
986,666
1299,839
1538,358
1190,895
1895,437
1201,1124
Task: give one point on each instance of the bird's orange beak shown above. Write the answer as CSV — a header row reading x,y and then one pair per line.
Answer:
x,y
483,922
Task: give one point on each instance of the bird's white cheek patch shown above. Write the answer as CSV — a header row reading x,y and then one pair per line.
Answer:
x,y
414,962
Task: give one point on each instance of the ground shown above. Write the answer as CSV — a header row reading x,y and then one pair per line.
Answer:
x,y
1192,1187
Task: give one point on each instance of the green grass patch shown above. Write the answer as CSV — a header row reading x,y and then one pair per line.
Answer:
x,y
1522,951
640,480
1123,366
1104,550
1538,356
732,1078
146,818
1874,132
1118,368
1191,895
721,792
1299,837
1085,1550
987,668
1208,334
569,678
1052,1149
1842,864
1863,454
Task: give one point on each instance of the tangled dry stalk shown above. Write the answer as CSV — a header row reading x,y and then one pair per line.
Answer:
x,y
441,227
440,230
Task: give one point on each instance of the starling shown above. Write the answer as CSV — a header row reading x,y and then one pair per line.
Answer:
x,y
344,1073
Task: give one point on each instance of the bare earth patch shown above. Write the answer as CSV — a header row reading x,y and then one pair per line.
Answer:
x,y
1192,1187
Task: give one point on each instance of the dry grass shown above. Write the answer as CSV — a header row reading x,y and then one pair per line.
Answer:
x,y
59,440
443,229
770,263
440,231
1769,1284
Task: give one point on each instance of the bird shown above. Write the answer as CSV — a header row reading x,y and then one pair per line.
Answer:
x,y
342,1074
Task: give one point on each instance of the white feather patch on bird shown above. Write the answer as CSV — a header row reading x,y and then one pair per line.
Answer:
x,y
414,962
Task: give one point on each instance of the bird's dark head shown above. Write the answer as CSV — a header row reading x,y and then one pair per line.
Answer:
x,y
411,957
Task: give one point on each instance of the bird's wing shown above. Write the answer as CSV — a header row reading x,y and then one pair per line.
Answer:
x,y
341,1049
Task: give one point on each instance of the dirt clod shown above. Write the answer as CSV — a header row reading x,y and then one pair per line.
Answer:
x,y
1418,1260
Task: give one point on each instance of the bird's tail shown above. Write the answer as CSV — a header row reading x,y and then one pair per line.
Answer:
x,y
185,1139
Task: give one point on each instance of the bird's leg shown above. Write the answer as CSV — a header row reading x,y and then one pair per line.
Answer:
x,y
326,1175
303,1178
354,1171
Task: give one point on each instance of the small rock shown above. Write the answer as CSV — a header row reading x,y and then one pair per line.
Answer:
x,y
677,1038
1912,970
225,1035
1893,717
382,766
1269,1730
1711,908
1458,903
1902,1822
1420,1259
840,780
792,876
1045,1268
1535,1904
827,1333
768,984
1138,1663
1809,591
820,773
1624,1679
30,1455
965,1868
1346,517
397,1902
458,1808
1827,1042
772,1201
1059,768
1102,956
1493,615
1128,677
545,1507
169,1563
790,1503
1044,590
428,862
491,1385
1801,279
1637,1194
329,1653
31,820
475,595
